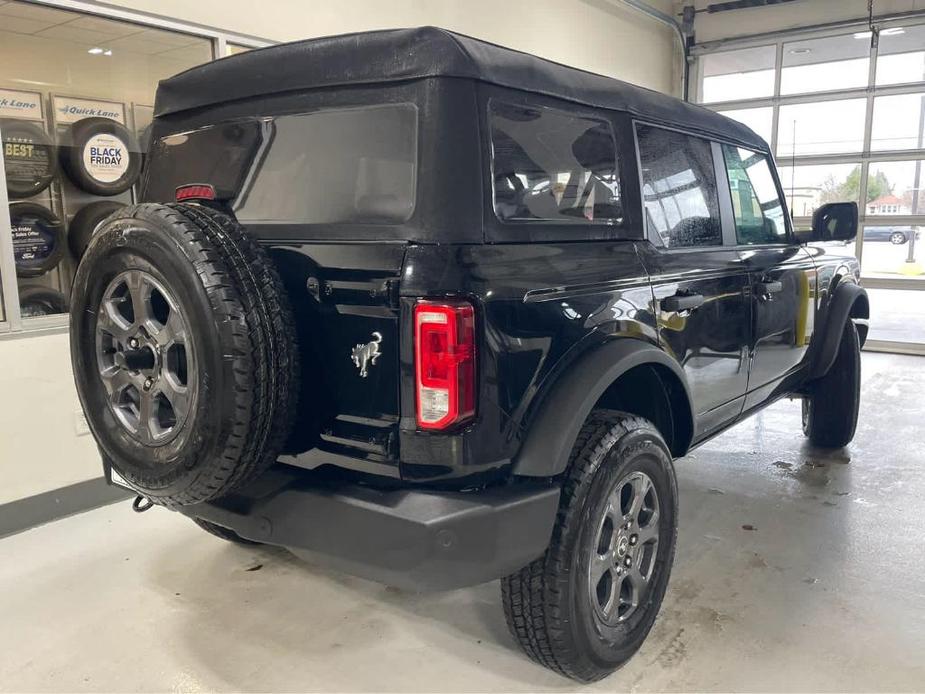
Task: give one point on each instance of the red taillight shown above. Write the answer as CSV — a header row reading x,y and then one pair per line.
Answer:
x,y
197,191
444,363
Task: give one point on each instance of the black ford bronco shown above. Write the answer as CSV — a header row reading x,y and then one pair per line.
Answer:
x,y
437,312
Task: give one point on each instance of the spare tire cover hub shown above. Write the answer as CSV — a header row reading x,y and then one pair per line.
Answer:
x,y
105,157
34,240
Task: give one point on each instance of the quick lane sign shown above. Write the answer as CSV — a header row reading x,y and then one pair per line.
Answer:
x,y
71,110
19,104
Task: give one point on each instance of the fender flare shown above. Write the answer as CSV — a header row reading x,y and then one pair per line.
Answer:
x,y
844,298
551,434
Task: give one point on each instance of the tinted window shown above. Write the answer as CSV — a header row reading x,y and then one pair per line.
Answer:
x,y
551,165
759,215
679,188
335,166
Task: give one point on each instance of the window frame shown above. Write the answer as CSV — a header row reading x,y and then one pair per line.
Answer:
x,y
552,231
12,323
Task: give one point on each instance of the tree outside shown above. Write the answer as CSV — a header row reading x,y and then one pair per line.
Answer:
x,y
834,190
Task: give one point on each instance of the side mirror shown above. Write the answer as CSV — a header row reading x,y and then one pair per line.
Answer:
x,y
836,221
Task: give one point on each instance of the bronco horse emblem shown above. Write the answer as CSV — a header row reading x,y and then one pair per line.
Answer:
x,y
366,355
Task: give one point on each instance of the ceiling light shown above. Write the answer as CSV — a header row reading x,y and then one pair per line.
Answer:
x,y
108,51
862,35
95,51
800,51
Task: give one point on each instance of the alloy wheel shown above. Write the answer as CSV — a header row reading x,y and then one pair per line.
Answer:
x,y
625,548
145,357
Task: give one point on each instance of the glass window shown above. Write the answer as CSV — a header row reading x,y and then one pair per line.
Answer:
x,y
679,188
899,122
897,315
552,165
808,187
896,187
819,65
59,68
742,74
825,127
356,165
758,119
234,49
901,55
759,215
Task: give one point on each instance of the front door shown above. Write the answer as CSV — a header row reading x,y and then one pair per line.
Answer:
x,y
700,282
782,276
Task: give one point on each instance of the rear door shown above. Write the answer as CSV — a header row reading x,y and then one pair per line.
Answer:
x,y
782,275
700,282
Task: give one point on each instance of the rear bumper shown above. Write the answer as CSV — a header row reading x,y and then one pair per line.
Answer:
x,y
414,539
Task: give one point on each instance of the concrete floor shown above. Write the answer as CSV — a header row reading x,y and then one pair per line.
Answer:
x,y
795,571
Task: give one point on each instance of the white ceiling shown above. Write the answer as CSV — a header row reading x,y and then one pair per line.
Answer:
x,y
90,32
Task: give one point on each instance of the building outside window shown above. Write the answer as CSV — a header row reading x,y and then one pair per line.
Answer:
x,y
844,112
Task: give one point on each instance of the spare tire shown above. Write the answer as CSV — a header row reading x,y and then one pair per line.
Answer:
x,y
29,158
38,300
184,352
100,156
38,238
87,220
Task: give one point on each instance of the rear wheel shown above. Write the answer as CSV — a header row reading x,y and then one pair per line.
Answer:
x,y
184,354
830,410
586,606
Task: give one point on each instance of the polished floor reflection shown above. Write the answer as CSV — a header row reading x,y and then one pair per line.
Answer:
x,y
796,571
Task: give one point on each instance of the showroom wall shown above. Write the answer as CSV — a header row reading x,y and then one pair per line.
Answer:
x,y
598,35
44,443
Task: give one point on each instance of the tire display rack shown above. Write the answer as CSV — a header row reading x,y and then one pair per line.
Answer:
x,y
42,295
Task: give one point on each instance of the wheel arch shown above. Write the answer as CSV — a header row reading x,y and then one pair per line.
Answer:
x,y
629,375
849,302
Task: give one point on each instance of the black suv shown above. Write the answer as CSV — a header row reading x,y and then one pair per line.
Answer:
x,y
438,312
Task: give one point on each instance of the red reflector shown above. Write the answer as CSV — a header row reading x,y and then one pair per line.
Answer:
x,y
444,363
197,191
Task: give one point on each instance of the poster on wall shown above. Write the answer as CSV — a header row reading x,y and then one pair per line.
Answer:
x,y
71,109
15,103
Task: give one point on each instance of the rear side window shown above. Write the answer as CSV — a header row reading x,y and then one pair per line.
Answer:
x,y
759,214
679,188
551,165
355,165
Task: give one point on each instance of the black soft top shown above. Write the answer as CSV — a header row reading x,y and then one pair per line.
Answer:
x,y
405,54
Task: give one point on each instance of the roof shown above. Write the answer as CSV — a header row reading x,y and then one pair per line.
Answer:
x,y
889,199
406,54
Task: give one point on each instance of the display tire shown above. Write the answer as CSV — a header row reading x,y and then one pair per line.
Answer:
x,y
39,300
222,532
226,308
38,238
85,223
830,409
29,170
101,178
548,605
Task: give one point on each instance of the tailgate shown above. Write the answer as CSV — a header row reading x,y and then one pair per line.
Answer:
x,y
345,298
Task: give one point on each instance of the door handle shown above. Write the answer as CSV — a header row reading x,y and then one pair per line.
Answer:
x,y
681,302
768,288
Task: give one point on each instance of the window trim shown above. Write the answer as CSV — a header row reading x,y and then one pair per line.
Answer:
x,y
13,324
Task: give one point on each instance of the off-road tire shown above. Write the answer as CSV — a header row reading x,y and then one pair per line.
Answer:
x,y
242,342
830,409
546,604
222,532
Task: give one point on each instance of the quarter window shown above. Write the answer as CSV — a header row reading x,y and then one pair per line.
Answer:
x,y
550,165
679,188
759,214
